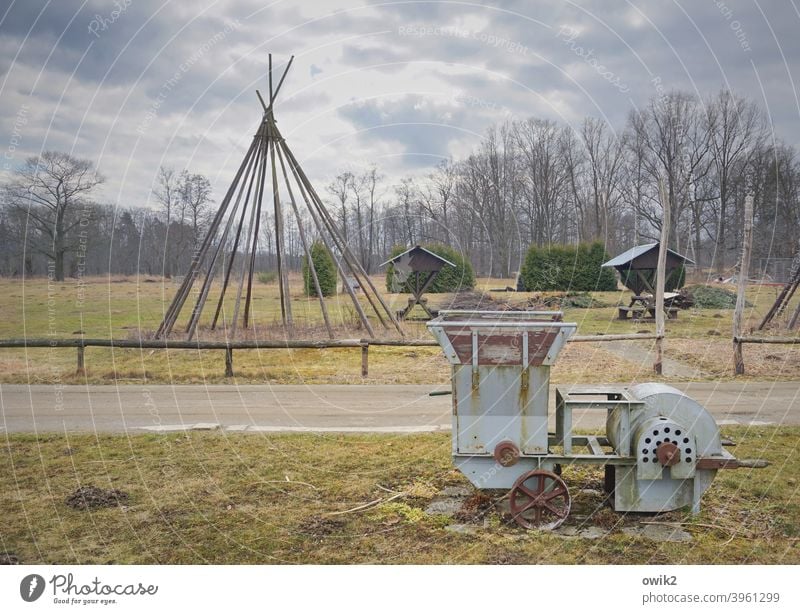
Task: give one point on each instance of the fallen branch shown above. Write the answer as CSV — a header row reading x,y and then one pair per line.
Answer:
x,y
287,481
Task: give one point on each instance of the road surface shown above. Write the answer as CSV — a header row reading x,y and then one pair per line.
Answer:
x,y
368,408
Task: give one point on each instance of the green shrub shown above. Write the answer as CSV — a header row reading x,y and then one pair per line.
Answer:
x,y
450,279
267,277
567,267
326,271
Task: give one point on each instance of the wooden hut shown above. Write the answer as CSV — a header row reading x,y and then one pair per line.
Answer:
x,y
637,270
419,267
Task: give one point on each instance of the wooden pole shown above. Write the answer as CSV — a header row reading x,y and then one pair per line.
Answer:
x,y
744,270
365,360
306,247
175,307
234,320
235,247
81,370
254,247
283,276
661,277
352,263
307,198
210,273
228,362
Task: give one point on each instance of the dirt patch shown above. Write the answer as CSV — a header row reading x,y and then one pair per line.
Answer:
x,y
8,558
505,557
92,497
474,508
322,527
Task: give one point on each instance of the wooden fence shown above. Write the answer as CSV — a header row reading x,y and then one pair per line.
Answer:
x,y
228,347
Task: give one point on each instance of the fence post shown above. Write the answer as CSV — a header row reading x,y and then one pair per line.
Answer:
x,y
744,272
661,275
364,359
228,362
81,370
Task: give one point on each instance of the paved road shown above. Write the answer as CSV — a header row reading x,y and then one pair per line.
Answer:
x,y
379,408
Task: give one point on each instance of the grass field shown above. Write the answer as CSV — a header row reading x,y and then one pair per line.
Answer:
x,y
207,498
132,307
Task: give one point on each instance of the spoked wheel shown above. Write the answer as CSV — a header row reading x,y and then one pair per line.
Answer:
x,y
539,499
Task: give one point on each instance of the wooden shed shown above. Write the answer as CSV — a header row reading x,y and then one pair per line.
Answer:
x,y
637,266
419,267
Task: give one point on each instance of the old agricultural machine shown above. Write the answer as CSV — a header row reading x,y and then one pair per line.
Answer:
x,y
661,450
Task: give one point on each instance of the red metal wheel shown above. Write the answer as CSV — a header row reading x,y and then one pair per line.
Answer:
x,y
540,500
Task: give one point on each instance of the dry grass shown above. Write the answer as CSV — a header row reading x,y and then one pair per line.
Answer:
x,y
212,498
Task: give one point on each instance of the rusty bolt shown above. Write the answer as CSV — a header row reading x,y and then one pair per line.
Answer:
x,y
506,453
668,454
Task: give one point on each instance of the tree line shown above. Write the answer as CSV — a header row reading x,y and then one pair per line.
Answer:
x,y
528,182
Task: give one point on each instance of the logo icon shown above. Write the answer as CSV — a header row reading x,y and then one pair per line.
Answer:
x,y
31,587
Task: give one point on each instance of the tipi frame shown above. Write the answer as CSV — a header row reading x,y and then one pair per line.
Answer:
x,y
267,159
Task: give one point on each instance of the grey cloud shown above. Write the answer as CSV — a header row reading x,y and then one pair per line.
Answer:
x,y
508,65
420,126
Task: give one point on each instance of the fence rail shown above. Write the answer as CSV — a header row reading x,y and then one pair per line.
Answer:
x,y
80,344
775,340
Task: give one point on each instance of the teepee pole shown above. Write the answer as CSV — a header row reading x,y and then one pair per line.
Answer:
x,y
209,279
234,249
254,248
183,291
278,87
353,263
306,247
338,241
246,252
271,95
197,259
283,279
321,229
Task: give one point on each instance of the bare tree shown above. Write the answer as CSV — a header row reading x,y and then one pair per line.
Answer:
x,y
736,129
166,193
605,158
371,182
339,188
405,192
668,139
49,189
546,171
195,195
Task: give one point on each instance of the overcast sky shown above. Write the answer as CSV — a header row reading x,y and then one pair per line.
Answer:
x,y
135,84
